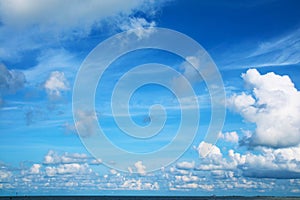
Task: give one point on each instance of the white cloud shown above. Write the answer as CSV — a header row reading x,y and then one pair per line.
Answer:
x,y
207,149
56,84
185,165
186,178
137,184
278,51
216,162
51,59
282,163
62,15
72,168
35,169
139,26
55,21
53,158
232,172
273,163
230,136
96,162
273,105
140,168
284,49
4,174
242,102
113,171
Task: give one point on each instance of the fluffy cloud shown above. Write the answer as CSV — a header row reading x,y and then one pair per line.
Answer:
x,y
35,169
185,165
216,161
206,149
273,105
283,163
4,174
140,168
53,158
56,84
279,163
133,184
231,172
71,168
230,137
139,26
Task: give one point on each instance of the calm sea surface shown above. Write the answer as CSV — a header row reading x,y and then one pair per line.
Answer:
x,y
144,197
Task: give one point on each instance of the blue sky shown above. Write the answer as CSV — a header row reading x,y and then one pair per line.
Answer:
x,y
255,47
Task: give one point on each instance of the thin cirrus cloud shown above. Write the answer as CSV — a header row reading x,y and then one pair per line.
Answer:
x,y
279,51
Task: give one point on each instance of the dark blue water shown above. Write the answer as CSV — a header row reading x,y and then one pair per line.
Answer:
x,y
146,198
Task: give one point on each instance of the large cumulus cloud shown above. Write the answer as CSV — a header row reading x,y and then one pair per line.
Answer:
x,y
273,104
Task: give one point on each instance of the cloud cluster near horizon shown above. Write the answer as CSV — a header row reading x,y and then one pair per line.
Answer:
x,y
257,152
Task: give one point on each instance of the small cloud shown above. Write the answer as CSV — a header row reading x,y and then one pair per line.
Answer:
x,y
113,171
185,165
140,168
96,162
53,158
205,149
139,26
56,84
232,137
35,169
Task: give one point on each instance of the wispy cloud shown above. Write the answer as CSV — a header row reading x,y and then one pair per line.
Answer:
x,y
10,81
57,23
278,51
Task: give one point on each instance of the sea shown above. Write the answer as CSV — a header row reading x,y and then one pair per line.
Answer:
x,y
146,198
